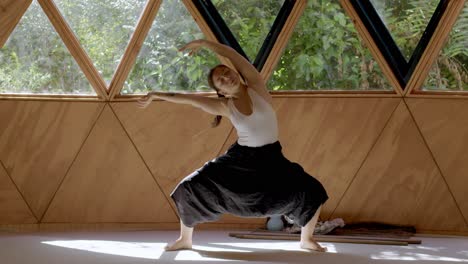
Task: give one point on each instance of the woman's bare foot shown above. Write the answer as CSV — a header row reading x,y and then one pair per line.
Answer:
x,y
311,244
178,245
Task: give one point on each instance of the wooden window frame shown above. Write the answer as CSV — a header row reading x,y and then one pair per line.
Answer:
x,y
266,59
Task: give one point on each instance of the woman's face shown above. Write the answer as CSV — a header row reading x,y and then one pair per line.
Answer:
x,y
226,80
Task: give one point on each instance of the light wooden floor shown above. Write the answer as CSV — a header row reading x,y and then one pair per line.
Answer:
x,y
211,247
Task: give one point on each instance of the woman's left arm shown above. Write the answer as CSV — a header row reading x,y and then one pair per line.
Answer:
x,y
215,106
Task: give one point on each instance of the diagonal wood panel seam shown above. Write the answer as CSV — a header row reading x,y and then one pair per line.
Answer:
x,y
441,173
141,157
171,154
364,160
412,115
16,187
400,171
222,147
420,134
38,141
74,159
109,182
425,140
31,212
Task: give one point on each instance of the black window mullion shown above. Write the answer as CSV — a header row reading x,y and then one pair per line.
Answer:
x,y
382,38
217,25
272,36
426,37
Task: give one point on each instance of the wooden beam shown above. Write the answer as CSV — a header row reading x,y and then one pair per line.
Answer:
x,y
434,47
285,94
356,237
438,94
11,11
73,45
325,239
49,97
336,93
371,45
131,53
283,38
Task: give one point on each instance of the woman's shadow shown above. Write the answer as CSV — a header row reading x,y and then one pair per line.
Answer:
x,y
282,256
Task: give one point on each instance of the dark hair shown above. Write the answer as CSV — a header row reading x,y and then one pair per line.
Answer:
x,y
218,118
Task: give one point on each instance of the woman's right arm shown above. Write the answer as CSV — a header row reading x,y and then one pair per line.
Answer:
x,y
242,65
215,106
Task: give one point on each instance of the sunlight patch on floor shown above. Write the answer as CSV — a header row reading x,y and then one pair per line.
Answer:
x,y
155,250
411,256
128,249
193,255
289,246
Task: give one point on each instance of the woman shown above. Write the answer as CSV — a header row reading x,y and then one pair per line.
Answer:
x,y
253,178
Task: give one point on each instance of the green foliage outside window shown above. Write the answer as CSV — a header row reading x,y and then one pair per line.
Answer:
x,y
103,27
35,60
324,52
407,20
160,66
398,15
250,21
450,71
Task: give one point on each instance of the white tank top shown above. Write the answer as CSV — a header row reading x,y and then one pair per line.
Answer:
x,y
260,127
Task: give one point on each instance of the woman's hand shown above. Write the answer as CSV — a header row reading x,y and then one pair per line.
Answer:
x,y
193,46
145,100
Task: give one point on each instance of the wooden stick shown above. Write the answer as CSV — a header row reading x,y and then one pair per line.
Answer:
x,y
389,236
380,238
324,239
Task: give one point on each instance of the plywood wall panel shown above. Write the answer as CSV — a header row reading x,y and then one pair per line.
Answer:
x,y
400,183
444,125
229,141
174,140
330,137
109,182
116,177
11,12
38,142
13,209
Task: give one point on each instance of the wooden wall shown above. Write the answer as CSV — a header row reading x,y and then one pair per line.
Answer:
x,y
77,162
73,165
